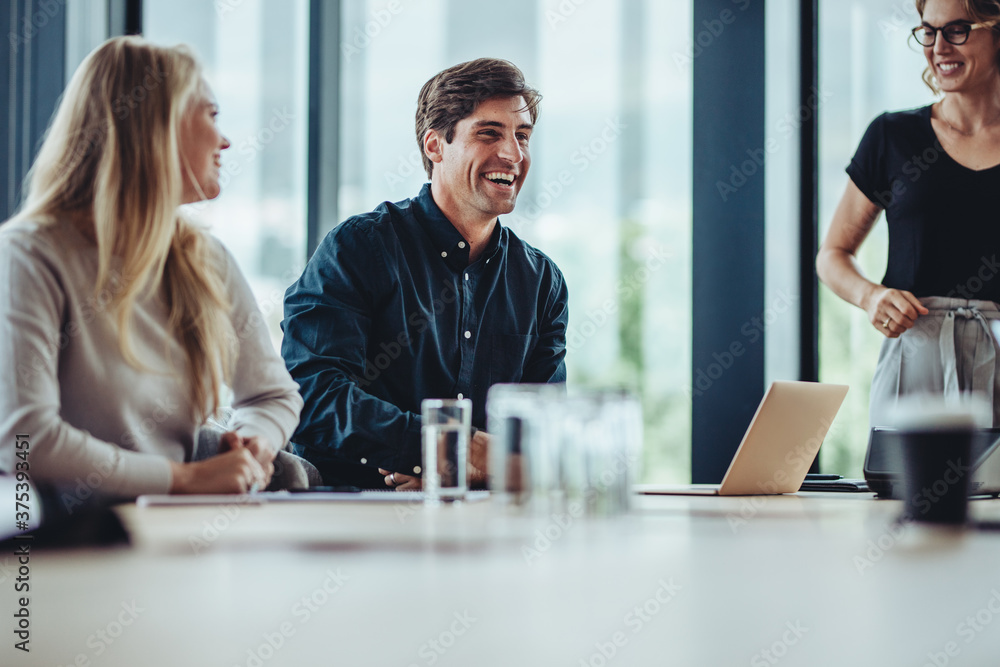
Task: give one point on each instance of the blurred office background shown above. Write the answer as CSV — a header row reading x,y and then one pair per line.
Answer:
x,y
610,192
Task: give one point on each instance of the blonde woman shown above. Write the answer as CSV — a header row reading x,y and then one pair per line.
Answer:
x,y
935,171
122,323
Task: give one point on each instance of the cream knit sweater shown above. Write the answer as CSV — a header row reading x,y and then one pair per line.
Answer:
x,y
88,415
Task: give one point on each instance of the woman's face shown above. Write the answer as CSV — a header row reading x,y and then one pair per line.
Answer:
x,y
965,67
201,146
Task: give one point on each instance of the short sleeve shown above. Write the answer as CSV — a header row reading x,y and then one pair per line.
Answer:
x,y
868,166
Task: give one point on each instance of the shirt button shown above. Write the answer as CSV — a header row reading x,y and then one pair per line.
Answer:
x,y
416,470
364,460
444,254
460,397
461,244
468,334
466,276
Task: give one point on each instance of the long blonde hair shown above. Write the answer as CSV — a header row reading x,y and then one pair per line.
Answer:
x,y
111,155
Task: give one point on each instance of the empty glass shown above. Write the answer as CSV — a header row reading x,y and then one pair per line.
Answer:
x,y
559,452
523,451
600,448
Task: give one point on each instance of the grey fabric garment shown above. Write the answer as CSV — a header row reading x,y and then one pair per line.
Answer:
x,y
290,471
950,351
64,380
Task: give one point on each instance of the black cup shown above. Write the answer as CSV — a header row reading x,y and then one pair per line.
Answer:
x,y
937,467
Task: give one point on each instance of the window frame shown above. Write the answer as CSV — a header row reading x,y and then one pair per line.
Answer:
x,y
35,77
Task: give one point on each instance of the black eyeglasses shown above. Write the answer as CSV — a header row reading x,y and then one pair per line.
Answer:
x,y
953,33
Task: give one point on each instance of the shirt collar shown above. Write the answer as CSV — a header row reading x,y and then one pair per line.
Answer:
x,y
448,243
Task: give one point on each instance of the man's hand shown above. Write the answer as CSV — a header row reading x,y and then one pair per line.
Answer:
x,y
479,447
397,481
479,456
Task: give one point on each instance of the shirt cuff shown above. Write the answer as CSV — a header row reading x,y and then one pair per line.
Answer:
x,y
410,460
138,474
247,424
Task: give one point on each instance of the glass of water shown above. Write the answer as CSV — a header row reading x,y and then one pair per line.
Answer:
x,y
447,424
523,463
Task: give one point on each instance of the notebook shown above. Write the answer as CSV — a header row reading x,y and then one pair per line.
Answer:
x,y
266,497
779,445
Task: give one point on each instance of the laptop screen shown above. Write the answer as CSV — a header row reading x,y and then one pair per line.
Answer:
x,y
882,458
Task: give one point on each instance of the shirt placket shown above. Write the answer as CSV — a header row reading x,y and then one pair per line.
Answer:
x,y
469,332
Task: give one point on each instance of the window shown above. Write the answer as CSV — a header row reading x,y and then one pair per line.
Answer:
x,y
609,196
867,66
255,54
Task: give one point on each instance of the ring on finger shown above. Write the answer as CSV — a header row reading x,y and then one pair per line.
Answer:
x,y
885,325
392,478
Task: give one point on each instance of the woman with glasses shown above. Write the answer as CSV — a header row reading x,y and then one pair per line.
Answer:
x,y
935,171
122,322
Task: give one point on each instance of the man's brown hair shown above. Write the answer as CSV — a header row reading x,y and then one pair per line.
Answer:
x,y
455,93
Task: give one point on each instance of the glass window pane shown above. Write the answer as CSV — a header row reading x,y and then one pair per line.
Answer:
x,y
868,66
609,196
255,54
784,114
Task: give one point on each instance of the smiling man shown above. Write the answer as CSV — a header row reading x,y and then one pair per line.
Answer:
x,y
430,297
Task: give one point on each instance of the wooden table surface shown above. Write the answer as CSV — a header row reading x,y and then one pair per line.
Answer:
x,y
810,579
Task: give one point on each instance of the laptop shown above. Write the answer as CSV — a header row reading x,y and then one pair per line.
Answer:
x,y
883,473
778,447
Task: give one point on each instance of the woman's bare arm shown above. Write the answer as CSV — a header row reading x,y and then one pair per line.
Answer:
x,y
890,311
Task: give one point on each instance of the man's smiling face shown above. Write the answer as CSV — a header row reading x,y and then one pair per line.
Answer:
x,y
483,168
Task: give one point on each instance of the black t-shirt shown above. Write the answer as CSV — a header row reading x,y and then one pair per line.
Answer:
x,y
944,219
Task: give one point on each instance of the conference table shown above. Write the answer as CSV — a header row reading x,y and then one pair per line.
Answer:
x,y
800,579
